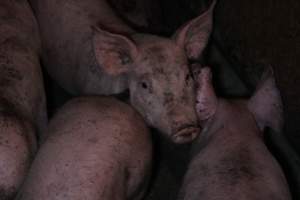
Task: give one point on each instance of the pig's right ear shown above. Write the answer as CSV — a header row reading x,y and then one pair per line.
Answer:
x,y
266,104
194,35
115,53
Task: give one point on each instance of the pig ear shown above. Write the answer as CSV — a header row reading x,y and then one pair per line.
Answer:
x,y
194,35
266,104
206,102
115,53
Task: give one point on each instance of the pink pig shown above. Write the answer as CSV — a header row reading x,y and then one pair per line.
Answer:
x,y
97,148
88,49
22,99
230,160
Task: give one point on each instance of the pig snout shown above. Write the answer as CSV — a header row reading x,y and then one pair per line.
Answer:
x,y
184,126
186,133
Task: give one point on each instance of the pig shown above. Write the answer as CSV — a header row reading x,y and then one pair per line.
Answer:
x,y
22,98
96,148
88,50
229,158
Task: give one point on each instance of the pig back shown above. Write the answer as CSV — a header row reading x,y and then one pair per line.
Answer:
x,y
21,82
22,98
98,148
66,28
231,161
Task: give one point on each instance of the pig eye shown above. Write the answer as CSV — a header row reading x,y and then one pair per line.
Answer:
x,y
144,85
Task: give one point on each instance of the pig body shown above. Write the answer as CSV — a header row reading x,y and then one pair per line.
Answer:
x,y
66,32
230,159
97,148
89,50
22,98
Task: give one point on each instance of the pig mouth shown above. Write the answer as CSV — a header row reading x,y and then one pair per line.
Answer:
x,y
186,133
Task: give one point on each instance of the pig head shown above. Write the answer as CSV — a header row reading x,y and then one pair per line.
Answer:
x,y
156,72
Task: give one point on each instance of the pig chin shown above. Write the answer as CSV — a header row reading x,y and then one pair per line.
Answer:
x,y
185,134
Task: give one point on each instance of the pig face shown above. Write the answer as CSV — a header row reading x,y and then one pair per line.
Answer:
x,y
162,89
159,80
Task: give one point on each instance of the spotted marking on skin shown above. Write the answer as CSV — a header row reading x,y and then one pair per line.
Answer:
x,y
93,140
9,72
158,57
169,98
236,167
10,116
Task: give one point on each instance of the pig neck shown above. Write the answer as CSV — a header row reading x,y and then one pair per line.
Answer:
x,y
225,123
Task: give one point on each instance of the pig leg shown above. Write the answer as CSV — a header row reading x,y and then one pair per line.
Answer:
x,y
22,99
97,148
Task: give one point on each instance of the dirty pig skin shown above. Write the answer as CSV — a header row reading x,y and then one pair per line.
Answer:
x,y
230,160
22,98
89,50
96,148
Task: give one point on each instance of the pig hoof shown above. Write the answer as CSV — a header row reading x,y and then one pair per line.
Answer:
x,y
186,135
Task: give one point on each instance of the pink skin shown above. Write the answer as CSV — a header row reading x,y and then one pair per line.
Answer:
x,y
230,159
97,148
89,50
22,98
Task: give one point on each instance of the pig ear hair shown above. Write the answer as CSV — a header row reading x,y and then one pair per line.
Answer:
x,y
115,53
206,99
194,35
266,104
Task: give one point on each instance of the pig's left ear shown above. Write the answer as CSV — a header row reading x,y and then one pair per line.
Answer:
x,y
266,104
115,53
206,99
194,35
